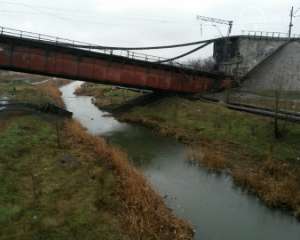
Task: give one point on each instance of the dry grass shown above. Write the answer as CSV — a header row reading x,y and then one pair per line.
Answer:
x,y
143,210
162,129
2,125
211,159
88,89
276,183
50,89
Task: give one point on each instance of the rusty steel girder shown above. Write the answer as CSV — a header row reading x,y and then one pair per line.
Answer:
x,y
44,58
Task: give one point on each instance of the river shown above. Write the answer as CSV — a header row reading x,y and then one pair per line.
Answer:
x,y
3,102
217,209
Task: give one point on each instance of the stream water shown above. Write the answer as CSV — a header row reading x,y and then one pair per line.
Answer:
x,y
217,209
3,101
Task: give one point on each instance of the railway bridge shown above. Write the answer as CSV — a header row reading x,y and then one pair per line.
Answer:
x,y
34,53
236,58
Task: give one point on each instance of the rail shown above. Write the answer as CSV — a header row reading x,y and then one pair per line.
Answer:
x,y
260,111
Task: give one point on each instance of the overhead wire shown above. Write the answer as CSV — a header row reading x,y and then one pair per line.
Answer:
x,y
185,54
37,10
79,13
41,9
99,47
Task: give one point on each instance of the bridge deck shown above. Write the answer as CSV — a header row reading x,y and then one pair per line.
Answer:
x,y
50,58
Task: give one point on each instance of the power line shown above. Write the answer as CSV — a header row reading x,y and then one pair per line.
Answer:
x,y
46,7
84,20
185,54
68,19
86,13
37,10
98,47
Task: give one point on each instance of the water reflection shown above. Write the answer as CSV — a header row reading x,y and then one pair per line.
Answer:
x,y
88,114
3,101
217,209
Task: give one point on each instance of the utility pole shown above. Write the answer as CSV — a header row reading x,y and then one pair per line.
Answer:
x,y
291,22
230,28
227,41
218,21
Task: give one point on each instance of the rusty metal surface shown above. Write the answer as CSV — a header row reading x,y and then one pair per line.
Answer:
x,y
38,57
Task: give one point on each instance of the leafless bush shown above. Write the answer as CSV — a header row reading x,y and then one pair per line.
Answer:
x,y
206,64
281,81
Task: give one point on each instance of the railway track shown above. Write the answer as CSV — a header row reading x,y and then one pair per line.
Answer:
x,y
261,111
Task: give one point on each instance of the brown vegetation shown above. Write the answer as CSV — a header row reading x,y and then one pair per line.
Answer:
x,y
143,210
276,183
212,159
50,89
2,125
87,90
153,124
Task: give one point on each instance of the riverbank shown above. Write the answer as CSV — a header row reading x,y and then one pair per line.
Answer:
x,y
59,182
107,97
222,139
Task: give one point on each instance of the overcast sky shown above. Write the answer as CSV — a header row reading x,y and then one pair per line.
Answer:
x,y
145,22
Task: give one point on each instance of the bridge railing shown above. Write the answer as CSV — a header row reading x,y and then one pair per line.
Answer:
x,y
72,44
268,34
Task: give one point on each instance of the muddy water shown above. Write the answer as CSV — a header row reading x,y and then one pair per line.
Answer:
x,y
217,209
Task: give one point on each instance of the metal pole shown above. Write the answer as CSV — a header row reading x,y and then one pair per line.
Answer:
x,y
230,28
291,22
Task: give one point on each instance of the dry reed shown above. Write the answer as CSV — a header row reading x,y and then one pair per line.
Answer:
x,y
50,89
276,183
211,159
144,212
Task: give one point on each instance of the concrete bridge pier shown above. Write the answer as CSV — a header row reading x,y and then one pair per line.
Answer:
x,y
258,63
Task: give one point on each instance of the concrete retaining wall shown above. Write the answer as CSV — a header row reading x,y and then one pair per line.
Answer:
x,y
238,55
280,71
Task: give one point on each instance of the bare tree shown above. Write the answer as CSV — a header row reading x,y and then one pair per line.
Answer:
x,y
281,82
278,83
206,64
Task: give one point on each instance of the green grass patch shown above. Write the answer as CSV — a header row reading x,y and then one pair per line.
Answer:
x,y
48,192
204,121
107,96
23,92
